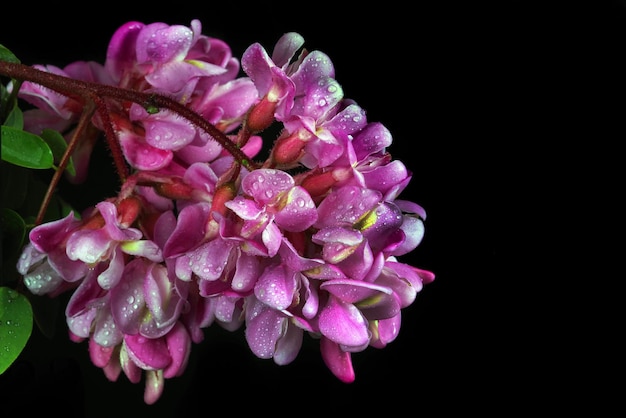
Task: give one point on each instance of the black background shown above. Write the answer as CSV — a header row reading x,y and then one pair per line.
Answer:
x,y
494,108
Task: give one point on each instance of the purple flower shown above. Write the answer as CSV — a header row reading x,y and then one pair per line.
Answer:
x,y
50,239
270,333
183,64
40,277
273,202
270,76
304,243
167,58
109,243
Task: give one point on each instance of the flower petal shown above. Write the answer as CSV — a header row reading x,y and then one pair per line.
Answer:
x,y
338,361
298,210
343,323
264,326
276,287
147,353
288,347
179,346
155,383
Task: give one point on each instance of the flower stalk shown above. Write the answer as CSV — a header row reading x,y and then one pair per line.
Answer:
x,y
86,91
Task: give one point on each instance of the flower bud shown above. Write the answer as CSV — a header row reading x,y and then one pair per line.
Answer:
x,y
175,189
128,210
261,115
223,194
288,149
320,183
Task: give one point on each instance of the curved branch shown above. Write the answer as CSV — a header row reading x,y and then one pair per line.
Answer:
x,y
86,90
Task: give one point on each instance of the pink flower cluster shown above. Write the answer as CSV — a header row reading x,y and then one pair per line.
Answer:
x,y
304,242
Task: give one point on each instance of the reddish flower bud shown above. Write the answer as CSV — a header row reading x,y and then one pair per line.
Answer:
x,y
261,115
319,184
223,194
289,148
175,189
128,210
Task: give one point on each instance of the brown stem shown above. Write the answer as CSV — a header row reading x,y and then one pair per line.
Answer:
x,y
95,91
83,124
114,145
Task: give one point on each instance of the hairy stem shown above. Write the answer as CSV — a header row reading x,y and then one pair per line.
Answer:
x,y
89,91
83,124
113,144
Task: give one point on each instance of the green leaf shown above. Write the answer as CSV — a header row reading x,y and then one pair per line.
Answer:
x,y
16,325
6,55
58,145
25,149
15,118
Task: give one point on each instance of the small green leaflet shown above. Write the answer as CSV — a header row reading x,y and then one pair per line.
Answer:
x,y
6,55
16,325
57,144
25,149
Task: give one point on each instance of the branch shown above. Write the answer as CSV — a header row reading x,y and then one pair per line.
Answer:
x,y
89,91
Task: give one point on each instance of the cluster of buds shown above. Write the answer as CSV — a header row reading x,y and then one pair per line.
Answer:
x,y
305,242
